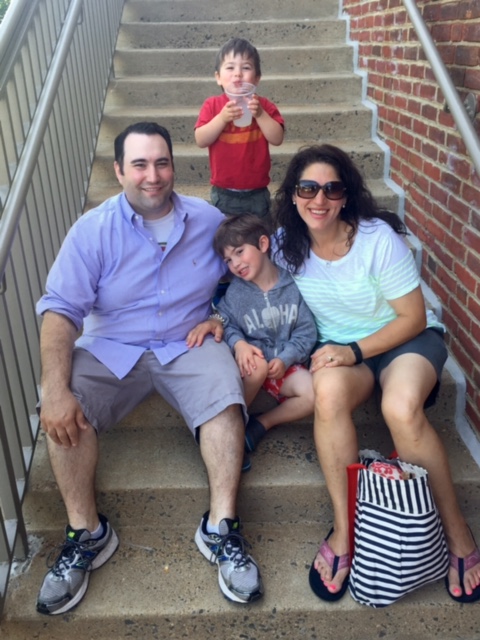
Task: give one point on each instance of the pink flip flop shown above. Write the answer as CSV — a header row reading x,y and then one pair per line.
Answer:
x,y
336,563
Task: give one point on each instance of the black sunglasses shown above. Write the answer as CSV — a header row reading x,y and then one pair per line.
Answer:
x,y
308,189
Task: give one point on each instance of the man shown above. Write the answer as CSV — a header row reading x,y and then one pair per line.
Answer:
x,y
136,275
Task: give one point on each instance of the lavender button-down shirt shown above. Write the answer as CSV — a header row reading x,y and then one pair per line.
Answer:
x,y
113,280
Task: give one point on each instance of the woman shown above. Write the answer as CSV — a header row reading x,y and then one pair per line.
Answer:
x,y
359,278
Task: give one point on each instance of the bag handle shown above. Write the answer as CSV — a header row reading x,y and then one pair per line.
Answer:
x,y
352,473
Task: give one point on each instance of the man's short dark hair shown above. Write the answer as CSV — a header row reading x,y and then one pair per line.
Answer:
x,y
238,229
148,129
239,46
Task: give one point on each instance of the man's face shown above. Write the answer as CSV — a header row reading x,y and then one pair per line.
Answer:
x,y
147,177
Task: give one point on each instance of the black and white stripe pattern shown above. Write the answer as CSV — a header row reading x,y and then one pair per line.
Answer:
x,y
399,539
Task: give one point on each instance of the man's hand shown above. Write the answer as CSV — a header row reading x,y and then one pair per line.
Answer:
x,y
61,417
197,335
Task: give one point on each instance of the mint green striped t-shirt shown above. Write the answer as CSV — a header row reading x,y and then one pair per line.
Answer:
x,y
349,297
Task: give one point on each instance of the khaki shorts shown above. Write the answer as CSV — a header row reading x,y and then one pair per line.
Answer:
x,y
199,384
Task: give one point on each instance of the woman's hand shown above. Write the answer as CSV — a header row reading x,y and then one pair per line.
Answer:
x,y
332,355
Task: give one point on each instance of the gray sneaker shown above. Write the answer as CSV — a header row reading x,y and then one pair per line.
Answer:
x,y
238,574
67,581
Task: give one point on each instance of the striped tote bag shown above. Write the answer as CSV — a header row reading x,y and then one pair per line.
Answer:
x,y
399,544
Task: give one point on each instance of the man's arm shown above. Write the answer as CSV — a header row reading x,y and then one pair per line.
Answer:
x,y
61,414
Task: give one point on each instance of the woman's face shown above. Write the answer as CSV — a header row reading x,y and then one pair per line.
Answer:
x,y
319,213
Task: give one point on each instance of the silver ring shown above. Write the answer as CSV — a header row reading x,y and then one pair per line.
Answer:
x,y
330,359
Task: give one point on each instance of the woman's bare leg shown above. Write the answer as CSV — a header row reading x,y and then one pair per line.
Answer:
x,y
406,383
338,391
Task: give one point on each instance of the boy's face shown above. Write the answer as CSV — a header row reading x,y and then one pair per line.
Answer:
x,y
236,69
247,261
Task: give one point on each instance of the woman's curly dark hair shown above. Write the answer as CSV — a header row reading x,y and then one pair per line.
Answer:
x,y
294,239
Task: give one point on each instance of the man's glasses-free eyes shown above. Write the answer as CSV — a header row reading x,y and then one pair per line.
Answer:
x,y
308,189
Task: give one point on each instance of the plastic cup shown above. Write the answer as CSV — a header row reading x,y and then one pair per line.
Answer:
x,y
241,92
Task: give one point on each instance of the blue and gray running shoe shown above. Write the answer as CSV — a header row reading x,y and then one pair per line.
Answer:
x,y
238,574
67,581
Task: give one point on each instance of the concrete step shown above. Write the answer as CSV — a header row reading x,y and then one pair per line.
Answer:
x,y
354,120
283,89
165,482
98,193
194,62
192,167
159,587
251,10
183,35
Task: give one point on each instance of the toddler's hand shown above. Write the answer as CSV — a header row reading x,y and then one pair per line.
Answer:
x,y
276,369
254,106
231,111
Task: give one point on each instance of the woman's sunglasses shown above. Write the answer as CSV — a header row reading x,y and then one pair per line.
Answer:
x,y
308,189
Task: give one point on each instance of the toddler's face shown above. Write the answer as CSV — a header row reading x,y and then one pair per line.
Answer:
x,y
236,69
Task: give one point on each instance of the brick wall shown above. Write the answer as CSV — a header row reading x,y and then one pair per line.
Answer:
x,y
429,160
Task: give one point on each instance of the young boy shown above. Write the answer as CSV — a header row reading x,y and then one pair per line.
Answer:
x,y
267,325
239,156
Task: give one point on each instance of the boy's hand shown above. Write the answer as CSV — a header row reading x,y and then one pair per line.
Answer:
x,y
231,111
276,369
245,355
255,107
197,335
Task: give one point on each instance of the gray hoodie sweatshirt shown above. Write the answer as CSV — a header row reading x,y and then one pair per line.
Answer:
x,y
277,321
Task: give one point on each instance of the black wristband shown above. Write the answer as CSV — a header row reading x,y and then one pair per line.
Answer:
x,y
357,352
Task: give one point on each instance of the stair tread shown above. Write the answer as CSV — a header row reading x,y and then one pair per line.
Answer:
x,y
112,111
158,574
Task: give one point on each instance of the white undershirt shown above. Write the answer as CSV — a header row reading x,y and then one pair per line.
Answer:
x,y
161,228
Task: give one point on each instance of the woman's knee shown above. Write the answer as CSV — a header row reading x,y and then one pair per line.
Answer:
x,y
403,414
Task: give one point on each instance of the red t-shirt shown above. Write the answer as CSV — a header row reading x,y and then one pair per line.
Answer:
x,y
240,156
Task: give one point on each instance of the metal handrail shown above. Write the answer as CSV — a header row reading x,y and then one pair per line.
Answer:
x,y
56,59
455,105
34,141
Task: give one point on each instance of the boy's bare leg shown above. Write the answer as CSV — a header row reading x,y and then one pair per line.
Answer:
x,y
298,389
253,383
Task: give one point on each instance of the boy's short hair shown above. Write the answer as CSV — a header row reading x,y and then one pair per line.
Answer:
x,y
239,46
238,229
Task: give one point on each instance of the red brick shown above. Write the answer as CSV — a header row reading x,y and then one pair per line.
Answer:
x,y
467,56
471,195
471,239
472,79
448,281
447,52
456,247
432,171
459,209
457,32
438,193
451,182
472,33
473,305
461,315
450,11
472,262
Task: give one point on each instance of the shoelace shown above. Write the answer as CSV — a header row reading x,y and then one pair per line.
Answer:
x,y
234,546
65,559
